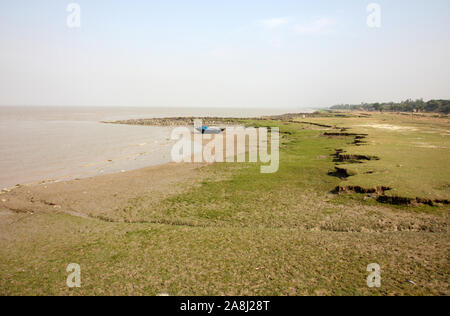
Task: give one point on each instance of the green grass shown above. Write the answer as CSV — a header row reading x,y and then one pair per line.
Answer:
x,y
240,232
138,259
414,155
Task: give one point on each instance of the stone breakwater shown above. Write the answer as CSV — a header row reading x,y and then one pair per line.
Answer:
x,y
212,121
175,121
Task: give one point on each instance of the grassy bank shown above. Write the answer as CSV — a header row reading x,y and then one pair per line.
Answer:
x,y
235,231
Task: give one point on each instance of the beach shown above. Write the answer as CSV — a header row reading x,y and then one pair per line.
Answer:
x,y
93,197
59,144
228,229
235,153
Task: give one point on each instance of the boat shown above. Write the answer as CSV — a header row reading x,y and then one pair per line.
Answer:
x,y
210,130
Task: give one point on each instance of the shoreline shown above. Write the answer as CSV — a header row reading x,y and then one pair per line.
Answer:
x,y
187,121
93,195
207,120
158,228
153,122
64,194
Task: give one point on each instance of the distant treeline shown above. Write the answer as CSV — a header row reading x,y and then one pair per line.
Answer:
x,y
434,106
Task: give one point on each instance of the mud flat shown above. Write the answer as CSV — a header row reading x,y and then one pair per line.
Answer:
x,y
227,229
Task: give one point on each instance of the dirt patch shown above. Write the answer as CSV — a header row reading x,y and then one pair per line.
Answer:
x,y
102,195
6,213
398,200
340,173
344,134
379,190
428,146
390,127
341,156
359,140
379,193
352,157
313,124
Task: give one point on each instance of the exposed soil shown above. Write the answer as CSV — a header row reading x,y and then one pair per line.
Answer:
x,y
313,124
380,190
95,196
339,173
344,134
347,157
359,140
398,200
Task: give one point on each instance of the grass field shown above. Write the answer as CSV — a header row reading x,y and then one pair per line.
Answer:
x,y
236,231
412,155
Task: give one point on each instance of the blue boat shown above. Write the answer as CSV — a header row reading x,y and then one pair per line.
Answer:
x,y
210,130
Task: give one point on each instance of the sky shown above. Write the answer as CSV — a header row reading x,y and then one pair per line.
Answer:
x,y
214,53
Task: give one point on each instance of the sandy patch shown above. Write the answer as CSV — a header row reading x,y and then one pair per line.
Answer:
x,y
106,194
389,127
102,194
425,145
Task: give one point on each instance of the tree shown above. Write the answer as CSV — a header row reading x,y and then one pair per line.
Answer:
x,y
378,107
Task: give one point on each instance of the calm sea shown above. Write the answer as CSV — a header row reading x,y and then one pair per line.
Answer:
x,y
62,143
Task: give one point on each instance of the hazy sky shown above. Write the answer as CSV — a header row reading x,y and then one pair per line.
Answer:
x,y
222,53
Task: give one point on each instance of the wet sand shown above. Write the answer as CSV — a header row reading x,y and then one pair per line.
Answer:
x,y
101,185
96,197
63,143
101,194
